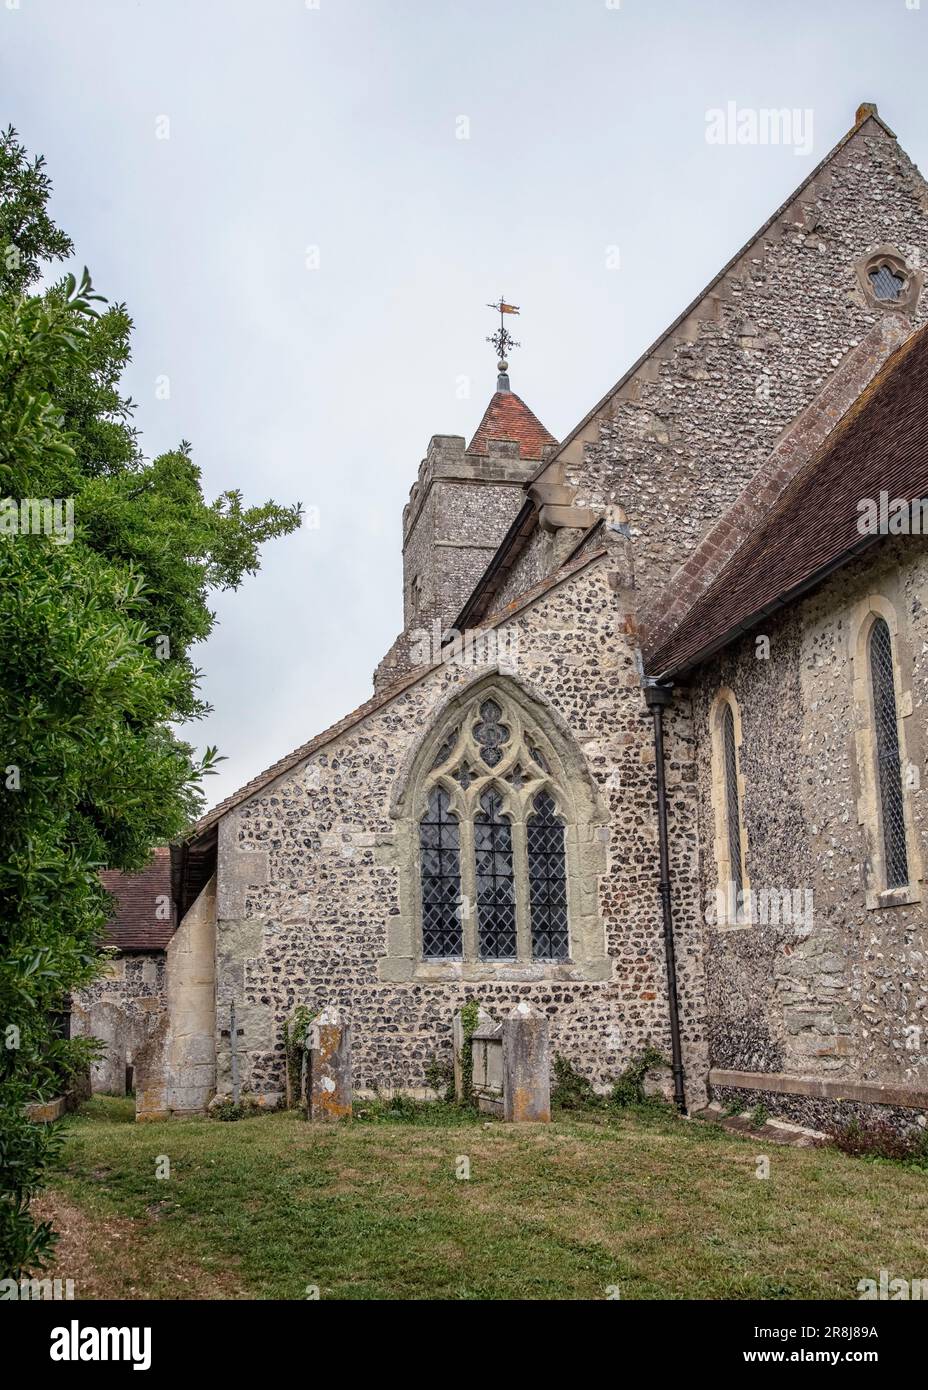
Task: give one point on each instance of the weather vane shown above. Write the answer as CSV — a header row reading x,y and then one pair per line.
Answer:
x,y
502,339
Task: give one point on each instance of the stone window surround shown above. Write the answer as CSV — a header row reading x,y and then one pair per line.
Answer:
x,y
518,805
865,613
894,260
586,845
725,698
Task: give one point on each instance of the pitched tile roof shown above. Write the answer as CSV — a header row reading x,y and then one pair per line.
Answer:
x,y
508,417
139,924
880,444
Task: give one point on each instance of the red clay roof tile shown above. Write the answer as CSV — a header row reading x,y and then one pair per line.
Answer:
x,y
139,924
508,417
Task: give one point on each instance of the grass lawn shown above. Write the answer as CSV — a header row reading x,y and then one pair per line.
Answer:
x,y
658,1206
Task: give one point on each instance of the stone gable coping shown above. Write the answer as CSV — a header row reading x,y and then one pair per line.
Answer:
x,y
286,764
706,303
684,328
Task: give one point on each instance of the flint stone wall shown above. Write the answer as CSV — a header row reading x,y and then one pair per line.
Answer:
x,y
836,1003
308,872
120,1009
460,507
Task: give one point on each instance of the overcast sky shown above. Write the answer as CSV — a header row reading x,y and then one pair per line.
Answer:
x,y
308,253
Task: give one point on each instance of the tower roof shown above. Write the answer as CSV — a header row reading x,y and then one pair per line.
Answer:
x,y
508,417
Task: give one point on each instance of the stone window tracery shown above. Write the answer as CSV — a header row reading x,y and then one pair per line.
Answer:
x,y
492,822
888,280
491,792
501,839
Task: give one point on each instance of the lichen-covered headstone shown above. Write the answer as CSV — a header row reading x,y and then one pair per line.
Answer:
x,y
327,1085
526,1066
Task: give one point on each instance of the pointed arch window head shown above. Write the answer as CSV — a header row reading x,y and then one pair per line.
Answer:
x,y
494,839
502,837
888,760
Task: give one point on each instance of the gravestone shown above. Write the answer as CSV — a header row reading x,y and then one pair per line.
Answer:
x,y
457,1040
327,1067
487,1063
108,1072
526,1066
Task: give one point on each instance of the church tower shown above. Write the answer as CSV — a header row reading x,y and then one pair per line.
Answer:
x,y
460,508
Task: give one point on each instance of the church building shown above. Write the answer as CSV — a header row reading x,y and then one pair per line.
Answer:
x,y
649,751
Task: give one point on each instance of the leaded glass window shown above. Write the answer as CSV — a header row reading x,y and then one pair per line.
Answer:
x,y
733,899
886,283
732,803
547,880
889,768
494,857
496,898
440,850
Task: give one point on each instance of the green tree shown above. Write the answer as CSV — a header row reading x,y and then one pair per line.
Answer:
x,y
97,622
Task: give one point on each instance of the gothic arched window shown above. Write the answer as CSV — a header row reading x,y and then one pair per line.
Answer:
x,y
492,842
502,838
730,849
732,799
888,760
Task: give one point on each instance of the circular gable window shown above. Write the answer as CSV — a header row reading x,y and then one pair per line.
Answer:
x,y
887,281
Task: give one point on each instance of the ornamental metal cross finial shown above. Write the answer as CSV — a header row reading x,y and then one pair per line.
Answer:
x,y
502,339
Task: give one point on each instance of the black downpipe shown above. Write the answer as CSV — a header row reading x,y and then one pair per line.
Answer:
x,y
656,697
